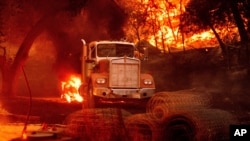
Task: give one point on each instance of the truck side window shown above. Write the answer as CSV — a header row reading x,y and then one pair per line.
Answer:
x,y
93,52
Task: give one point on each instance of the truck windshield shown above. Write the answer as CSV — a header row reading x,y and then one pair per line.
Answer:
x,y
115,50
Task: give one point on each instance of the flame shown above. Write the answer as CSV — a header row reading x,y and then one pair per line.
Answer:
x,y
24,136
70,89
168,36
165,16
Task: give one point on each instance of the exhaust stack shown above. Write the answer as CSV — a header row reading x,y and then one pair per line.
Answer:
x,y
84,58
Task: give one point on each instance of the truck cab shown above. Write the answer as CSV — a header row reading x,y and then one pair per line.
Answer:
x,y
112,69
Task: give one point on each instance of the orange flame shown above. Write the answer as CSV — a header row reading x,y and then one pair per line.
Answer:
x,y
24,136
168,22
165,34
70,89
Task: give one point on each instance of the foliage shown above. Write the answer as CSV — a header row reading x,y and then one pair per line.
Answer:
x,y
164,24
154,21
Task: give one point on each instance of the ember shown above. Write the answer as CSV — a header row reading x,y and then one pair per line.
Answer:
x,y
70,88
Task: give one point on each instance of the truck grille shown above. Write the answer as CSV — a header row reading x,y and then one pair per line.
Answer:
x,y
124,73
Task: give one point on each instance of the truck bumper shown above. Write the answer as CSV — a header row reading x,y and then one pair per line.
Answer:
x,y
124,93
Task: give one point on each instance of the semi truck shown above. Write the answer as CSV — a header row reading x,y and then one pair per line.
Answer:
x,y
111,71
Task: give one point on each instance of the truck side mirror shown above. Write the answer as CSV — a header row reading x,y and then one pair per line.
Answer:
x,y
143,55
145,52
137,54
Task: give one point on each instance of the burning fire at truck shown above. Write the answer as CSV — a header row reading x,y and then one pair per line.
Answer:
x,y
70,89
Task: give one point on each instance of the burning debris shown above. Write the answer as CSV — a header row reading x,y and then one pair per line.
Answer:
x,y
70,89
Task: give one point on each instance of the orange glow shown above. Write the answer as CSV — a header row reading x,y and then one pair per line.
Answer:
x,y
24,136
164,17
70,89
168,22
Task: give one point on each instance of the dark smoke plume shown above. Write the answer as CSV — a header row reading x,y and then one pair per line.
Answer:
x,y
103,20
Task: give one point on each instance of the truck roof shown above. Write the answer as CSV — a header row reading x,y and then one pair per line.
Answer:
x,y
108,42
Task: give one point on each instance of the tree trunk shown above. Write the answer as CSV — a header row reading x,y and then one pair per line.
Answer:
x,y
222,45
241,28
239,22
11,73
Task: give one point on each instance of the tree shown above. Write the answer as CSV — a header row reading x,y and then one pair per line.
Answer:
x,y
101,21
9,77
198,18
47,15
237,8
155,21
214,15
136,22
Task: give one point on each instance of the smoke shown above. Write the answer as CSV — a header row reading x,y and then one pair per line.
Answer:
x,y
105,20
62,24
98,20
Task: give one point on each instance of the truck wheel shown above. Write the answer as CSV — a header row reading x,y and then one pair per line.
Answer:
x,y
90,96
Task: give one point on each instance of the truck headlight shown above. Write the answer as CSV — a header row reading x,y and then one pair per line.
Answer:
x,y
100,80
148,81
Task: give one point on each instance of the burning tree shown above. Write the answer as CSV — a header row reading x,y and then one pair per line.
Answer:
x,y
224,18
183,24
169,25
158,22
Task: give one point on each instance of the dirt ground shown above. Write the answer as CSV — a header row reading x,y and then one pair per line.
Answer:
x,y
227,89
44,111
54,110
